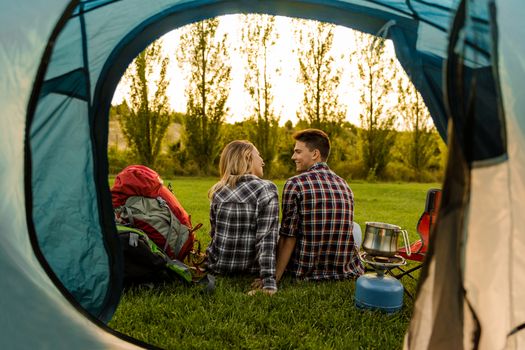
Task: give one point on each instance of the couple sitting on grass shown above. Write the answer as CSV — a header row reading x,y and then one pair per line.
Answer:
x,y
314,241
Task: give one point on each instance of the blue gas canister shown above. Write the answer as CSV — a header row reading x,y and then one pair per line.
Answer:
x,y
379,292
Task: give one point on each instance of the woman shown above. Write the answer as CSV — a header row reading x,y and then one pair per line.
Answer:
x,y
244,217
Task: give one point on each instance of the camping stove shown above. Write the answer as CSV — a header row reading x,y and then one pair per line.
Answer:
x,y
378,291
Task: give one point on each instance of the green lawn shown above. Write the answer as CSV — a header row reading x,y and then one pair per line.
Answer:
x,y
300,316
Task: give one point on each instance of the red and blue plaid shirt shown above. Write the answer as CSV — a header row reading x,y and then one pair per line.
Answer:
x,y
318,210
244,229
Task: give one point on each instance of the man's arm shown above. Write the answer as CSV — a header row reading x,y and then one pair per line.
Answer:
x,y
285,248
289,226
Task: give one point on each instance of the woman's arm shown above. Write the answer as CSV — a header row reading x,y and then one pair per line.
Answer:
x,y
266,236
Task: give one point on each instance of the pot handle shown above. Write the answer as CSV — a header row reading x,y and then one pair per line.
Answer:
x,y
405,239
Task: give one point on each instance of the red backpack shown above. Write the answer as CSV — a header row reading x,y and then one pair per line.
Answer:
x,y
141,200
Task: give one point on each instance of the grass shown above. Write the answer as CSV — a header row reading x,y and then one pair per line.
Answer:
x,y
302,315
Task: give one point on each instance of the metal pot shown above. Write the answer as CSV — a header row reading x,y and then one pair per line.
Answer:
x,y
381,239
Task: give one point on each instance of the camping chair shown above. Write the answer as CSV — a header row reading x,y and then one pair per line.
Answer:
x,y
424,226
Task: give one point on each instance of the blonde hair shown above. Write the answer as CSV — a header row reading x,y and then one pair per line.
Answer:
x,y
236,161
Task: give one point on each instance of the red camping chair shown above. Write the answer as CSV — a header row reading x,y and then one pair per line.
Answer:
x,y
425,224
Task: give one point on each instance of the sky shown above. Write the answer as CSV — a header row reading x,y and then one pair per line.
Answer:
x,y
287,91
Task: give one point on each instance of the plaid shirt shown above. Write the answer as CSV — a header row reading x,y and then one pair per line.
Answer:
x,y
318,209
244,229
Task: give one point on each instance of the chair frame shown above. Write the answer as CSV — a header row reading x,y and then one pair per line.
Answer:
x,y
424,226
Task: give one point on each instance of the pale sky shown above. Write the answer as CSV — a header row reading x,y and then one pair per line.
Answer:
x,y
287,92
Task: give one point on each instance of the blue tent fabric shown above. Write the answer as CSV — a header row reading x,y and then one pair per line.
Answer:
x,y
61,61
36,311
474,97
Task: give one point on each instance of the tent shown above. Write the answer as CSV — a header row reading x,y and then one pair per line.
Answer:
x,y
60,62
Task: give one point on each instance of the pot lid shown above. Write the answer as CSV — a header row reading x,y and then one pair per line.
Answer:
x,y
382,225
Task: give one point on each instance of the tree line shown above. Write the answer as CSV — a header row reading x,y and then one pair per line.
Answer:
x,y
394,141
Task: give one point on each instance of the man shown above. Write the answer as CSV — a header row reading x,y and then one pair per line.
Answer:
x,y
315,238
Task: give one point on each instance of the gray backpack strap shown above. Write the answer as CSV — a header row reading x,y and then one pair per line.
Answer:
x,y
124,215
129,215
207,283
163,203
175,227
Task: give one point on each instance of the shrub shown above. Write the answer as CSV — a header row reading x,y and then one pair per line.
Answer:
x,y
119,159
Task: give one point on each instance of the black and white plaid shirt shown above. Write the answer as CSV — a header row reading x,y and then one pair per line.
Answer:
x,y
244,229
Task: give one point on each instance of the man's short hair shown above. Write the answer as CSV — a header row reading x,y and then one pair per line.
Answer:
x,y
315,139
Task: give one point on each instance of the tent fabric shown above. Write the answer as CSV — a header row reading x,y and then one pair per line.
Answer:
x,y
35,312
511,68
471,295
61,61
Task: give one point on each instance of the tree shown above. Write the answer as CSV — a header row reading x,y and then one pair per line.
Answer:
x,y
145,120
321,107
420,150
258,37
238,131
376,71
207,59
284,164
344,155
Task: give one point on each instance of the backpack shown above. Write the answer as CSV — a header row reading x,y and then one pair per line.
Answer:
x,y
153,216
139,180
142,201
145,262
